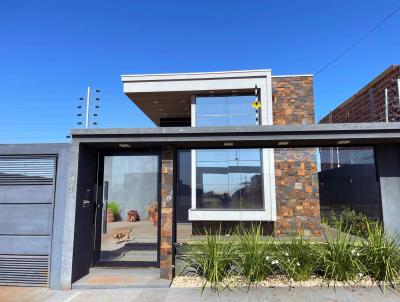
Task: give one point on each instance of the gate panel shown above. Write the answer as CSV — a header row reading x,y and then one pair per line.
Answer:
x,y
23,270
27,186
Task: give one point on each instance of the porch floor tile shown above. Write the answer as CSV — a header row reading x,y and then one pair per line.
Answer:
x,y
122,278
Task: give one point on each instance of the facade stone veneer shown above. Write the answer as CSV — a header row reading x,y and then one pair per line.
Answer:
x,y
297,198
296,174
166,223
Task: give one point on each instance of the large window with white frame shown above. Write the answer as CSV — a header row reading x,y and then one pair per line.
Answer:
x,y
227,179
225,111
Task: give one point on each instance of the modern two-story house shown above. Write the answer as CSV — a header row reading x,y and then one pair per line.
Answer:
x,y
229,148
229,184
214,187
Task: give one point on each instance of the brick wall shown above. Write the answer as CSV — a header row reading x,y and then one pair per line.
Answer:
x,y
368,104
296,175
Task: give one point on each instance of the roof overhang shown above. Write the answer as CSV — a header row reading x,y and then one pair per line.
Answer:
x,y
273,136
169,95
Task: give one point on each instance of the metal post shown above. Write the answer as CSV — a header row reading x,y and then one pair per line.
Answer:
x,y
386,106
331,148
87,107
398,90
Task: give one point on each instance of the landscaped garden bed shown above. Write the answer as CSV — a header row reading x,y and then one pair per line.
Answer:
x,y
270,282
246,259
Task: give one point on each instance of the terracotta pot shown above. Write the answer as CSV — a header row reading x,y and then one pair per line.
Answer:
x,y
155,218
110,216
150,213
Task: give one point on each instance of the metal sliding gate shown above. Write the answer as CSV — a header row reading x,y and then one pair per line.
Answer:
x,y
27,190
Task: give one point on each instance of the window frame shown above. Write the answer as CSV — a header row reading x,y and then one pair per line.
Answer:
x,y
268,213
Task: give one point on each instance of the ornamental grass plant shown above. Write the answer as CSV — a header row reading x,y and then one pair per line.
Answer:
x,y
213,259
381,254
255,258
299,259
250,258
341,259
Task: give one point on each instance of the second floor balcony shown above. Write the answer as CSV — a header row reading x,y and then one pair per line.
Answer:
x,y
203,99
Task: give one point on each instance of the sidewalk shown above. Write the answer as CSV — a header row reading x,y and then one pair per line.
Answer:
x,y
14,294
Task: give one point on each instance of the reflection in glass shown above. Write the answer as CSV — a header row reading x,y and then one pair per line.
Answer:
x,y
225,111
229,179
347,178
183,186
130,211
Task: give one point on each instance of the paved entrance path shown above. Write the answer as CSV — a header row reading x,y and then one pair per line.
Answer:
x,y
113,278
13,294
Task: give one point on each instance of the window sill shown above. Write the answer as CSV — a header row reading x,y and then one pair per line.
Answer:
x,y
229,215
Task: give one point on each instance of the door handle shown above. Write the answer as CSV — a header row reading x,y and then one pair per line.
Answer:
x,y
85,203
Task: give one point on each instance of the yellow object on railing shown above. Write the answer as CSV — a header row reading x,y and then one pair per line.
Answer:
x,y
256,104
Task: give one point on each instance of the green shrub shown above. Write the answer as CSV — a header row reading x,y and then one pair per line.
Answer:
x,y
381,254
254,254
341,259
298,259
114,208
349,221
214,259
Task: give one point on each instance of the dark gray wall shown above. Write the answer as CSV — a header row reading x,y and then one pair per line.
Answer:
x,y
388,166
34,232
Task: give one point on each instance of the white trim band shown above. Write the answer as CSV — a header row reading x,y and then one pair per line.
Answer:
x,y
228,215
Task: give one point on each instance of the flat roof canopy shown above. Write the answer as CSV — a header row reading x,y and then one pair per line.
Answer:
x,y
274,136
169,95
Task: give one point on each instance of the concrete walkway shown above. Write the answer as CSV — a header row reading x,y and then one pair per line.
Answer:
x,y
13,294
114,278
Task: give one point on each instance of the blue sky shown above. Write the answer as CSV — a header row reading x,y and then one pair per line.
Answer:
x,y
51,50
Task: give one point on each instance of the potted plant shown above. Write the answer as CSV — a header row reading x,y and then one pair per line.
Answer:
x,y
151,211
113,211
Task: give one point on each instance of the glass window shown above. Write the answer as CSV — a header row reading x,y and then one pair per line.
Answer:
x,y
225,179
184,185
229,179
225,111
130,209
347,178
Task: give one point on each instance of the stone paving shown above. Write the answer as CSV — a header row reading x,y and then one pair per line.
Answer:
x,y
14,294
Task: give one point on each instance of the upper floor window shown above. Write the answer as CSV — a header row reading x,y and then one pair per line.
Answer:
x,y
225,111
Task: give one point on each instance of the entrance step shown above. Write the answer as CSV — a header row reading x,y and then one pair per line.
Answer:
x,y
112,278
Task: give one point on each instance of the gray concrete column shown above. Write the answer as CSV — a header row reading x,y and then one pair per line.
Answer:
x,y
388,168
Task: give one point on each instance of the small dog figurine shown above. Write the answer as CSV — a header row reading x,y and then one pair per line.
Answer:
x,y
123,236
